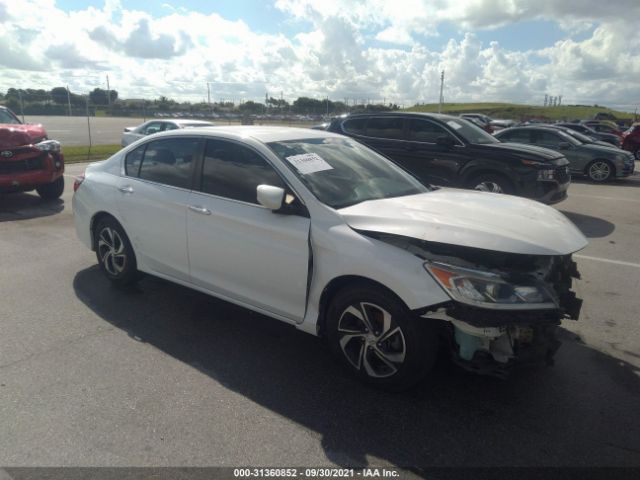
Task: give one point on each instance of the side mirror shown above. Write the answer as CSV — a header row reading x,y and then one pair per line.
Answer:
x,y
564,145
445,141
270,197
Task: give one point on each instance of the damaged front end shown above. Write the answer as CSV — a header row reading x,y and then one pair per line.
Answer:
x,y
504,308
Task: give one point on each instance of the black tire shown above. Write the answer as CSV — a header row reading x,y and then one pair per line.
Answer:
x,y
53,190
491,182
114,252
394,359
637,153
600,171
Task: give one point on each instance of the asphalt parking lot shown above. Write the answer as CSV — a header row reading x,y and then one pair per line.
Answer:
x,y
159,375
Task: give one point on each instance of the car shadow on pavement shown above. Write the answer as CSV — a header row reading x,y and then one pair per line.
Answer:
x,y
591,227
24,206
582,412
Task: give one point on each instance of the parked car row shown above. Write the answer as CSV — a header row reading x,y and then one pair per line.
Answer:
x,y
449,151
599,161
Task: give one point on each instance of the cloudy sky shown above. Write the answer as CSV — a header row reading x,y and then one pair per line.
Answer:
x,y
492,50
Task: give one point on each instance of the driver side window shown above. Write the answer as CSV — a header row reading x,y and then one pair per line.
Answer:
x,y
233,171
426,131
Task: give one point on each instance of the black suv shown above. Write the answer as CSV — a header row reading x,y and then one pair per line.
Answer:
x,y
450,151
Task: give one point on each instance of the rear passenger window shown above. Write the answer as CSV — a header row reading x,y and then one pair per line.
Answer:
x,y
516,136
547,138
386,127
169,161
232,171
133,160
355,126
425,131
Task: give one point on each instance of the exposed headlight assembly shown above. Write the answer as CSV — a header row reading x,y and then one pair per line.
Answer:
x,y
490,290
48,146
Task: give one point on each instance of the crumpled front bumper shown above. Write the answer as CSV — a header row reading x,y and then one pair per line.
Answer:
x,y
15,180
496,349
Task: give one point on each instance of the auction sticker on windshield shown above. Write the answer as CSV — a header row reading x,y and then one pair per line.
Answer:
x,y
307,163
454,124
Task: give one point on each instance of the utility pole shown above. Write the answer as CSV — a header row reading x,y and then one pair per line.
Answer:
x,y
69,99
88,129
108,94
441,92
546,99
21,105
208,95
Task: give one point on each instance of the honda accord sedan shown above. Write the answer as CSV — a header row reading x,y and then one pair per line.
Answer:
x,y
319,231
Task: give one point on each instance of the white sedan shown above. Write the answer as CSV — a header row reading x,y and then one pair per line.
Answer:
x,y
131,134
316,230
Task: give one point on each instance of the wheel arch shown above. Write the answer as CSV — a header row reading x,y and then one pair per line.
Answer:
x,y
336,285
480,171
94,222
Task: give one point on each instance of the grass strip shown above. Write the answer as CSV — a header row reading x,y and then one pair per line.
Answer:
x,y
76,154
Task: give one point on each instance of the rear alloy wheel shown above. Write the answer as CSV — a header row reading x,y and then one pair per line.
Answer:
x,y
491,183
53,190
114,252
377,338
600,171
637,153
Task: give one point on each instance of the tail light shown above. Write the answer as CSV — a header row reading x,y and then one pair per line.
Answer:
x,y
77,182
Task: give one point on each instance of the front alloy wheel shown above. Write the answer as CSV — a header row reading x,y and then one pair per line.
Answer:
x,y
371,340
600,171
378,339
488,187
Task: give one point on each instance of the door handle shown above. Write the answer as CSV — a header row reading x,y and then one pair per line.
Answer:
x,y
127,189
199,209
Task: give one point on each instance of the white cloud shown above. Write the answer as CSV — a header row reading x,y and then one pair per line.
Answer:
x,y
345,49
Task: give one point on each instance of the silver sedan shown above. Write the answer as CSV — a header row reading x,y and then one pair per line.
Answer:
x,y
131,134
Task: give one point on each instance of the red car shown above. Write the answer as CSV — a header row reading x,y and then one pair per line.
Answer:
x,y
631,140
28,159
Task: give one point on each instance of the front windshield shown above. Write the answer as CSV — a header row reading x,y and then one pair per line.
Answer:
x,y
470,132
578,136
569,138
7,117
342,172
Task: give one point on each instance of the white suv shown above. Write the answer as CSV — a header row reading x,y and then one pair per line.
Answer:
x,y
319,231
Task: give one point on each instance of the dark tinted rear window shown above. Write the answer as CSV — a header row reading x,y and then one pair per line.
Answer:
x,y
355,126
385,127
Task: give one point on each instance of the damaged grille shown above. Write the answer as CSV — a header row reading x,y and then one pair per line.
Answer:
x,y
19,166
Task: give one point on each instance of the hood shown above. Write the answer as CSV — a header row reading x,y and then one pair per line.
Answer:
x,y
607,149
472,219
526,152
16,135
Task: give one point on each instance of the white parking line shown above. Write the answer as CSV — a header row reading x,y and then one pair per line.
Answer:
x,y
606,260
605,198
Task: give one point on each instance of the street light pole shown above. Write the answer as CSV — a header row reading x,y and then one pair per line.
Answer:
x,y
441,92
